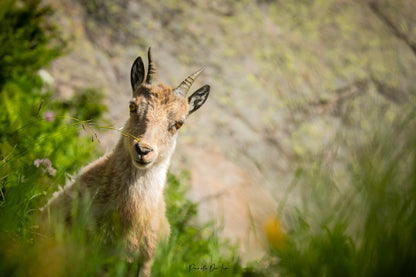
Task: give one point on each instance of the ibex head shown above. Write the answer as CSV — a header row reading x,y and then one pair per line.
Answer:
x,y
157,112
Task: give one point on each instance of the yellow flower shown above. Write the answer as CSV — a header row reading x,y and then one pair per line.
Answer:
x,y
274,232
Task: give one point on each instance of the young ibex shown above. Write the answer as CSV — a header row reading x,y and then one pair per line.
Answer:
x,y
126,186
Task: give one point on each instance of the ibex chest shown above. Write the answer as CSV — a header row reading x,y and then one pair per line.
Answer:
x,y
145,193
140,198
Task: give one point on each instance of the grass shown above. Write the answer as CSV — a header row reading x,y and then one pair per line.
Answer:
x,y
363,224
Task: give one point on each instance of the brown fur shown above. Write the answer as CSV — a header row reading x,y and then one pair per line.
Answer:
x,y
124,189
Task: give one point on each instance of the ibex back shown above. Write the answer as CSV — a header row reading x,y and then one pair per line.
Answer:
x,y
125,187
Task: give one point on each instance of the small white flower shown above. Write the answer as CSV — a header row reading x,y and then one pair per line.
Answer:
x,y
46,77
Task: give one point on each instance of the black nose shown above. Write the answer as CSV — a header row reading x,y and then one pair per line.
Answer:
x,y
143,149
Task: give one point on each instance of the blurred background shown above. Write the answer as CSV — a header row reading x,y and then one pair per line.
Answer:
x,y
309,101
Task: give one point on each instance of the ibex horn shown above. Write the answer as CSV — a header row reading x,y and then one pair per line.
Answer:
x,y
151,72
184,87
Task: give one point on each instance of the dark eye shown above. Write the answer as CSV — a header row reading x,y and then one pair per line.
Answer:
x,y
132,107
178,124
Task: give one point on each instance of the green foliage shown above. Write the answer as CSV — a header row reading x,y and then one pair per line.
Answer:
x,y
25,38
323,252
39,145
36,139
38,148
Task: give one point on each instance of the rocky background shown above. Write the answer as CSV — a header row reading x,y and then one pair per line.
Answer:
x,y
288,78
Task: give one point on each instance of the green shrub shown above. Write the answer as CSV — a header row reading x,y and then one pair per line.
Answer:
x,y
25,38
39,144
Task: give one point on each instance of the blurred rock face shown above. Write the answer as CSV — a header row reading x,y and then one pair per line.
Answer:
x,y
282,86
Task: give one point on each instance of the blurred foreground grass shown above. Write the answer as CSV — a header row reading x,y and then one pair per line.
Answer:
x,y
363,224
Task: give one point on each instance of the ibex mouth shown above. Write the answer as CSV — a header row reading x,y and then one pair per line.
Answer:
x,y
140,163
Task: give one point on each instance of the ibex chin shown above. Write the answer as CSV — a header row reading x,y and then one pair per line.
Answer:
x,y
125,187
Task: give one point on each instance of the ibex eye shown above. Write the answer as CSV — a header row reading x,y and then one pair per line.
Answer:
x,y
178,124
132,107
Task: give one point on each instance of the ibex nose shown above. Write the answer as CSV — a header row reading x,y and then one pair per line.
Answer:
x,y
143,149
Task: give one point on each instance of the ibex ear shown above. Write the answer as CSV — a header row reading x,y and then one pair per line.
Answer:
x,y
198,98
137,73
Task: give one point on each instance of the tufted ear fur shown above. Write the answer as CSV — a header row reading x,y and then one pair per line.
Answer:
x,y
198,98
137,74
